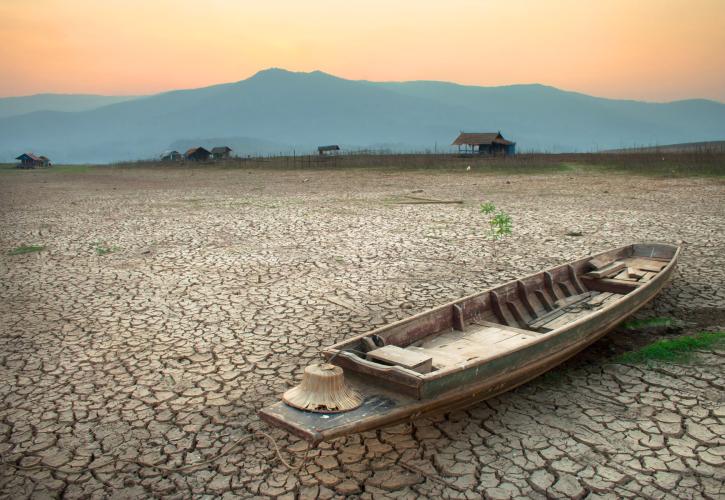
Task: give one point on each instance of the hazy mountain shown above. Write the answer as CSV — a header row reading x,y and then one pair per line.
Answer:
x,y
548,119
12,106
285,110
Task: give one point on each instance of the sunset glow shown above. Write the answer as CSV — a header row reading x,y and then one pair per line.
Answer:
x,y
655,50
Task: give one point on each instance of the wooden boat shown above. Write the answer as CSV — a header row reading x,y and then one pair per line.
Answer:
x,y
482,345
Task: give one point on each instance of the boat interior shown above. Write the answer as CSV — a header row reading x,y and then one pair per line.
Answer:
x,y
482,326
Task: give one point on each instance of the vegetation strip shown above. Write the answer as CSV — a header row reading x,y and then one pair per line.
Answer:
x,y
673,350
23,249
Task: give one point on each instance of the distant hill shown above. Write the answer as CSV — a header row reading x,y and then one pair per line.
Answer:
x,y
13,106
298,111
685,147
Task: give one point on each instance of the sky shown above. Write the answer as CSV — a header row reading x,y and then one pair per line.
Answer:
x,y
654,50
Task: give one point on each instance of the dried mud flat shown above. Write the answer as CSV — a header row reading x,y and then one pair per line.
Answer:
x,y
169,305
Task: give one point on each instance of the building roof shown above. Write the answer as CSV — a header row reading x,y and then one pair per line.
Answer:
x,y
476,138
221,149
30,156
331,147
198,149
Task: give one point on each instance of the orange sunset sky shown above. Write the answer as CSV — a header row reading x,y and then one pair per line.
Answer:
x,y
656,50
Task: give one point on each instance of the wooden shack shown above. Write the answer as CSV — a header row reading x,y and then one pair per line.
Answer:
x,y
30,160
171,156
197,154
221,152
331,149
484,143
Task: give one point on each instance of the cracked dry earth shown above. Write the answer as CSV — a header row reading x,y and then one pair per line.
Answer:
x,y
221,285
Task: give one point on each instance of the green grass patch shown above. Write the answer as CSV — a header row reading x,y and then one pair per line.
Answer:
x,y
678,350
657,322
55,169
102,249
23,249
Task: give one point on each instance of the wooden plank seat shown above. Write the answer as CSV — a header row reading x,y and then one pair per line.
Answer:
x,y
394,355
610,285
480,341
645,264
608,270
632,273
574,311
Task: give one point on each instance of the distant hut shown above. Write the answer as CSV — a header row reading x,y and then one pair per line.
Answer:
x,y
484,143
171,156
197,154
30,160
220,152
332,149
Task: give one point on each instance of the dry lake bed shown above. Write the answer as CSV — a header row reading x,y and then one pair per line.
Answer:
x,y
147,314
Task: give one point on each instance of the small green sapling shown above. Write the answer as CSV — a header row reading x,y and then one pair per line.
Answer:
x,y
499,223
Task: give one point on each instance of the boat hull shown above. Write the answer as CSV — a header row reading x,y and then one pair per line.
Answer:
x,y
383,406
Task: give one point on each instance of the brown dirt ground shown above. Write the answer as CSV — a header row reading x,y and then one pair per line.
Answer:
x,y
214,294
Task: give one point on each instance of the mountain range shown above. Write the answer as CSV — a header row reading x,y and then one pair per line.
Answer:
x,y
13,106
278,111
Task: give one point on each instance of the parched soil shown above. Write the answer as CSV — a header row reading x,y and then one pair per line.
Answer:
x,y
169,305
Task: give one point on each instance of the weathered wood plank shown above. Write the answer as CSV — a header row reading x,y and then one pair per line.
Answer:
x,y
624,275
544,300
543,320
524,297
575,279
562,305
574,299
394,355
635,274
481,322
458,322
513,308
566,288
609,285
600,298
607,271
565,319
455,348
600,262
496,305
646,277
645,264
554,293
579,310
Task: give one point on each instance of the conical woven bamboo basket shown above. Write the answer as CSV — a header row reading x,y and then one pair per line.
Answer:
x,y
323,390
